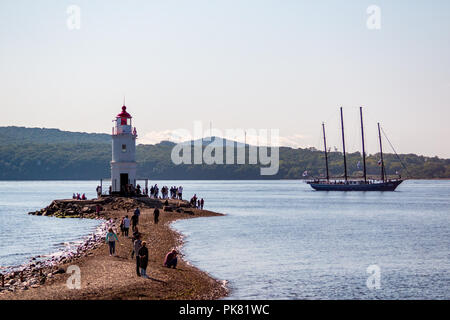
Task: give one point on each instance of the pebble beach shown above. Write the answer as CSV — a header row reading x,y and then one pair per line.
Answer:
x,y
105,277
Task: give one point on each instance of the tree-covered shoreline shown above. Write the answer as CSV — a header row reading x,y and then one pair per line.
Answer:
x,y
44,154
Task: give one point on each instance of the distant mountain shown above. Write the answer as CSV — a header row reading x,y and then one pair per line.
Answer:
x,y
52,154
216,141
22,135
167,143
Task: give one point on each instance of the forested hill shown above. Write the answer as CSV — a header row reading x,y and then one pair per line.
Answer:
x,y
21,135
51,154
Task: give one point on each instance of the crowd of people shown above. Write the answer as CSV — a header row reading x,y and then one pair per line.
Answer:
x,y
79,196
196,202
131,190
139,247
173,192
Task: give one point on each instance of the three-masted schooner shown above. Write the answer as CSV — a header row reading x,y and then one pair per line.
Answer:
x,y
327,184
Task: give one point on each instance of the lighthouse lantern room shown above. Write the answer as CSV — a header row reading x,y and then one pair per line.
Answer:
x,y
123,164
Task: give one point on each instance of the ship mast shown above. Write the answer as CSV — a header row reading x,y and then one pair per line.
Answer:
x,y
326,153
343,146
363,149
383,173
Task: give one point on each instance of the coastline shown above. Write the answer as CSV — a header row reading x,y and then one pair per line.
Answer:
x,y
32,271
105,277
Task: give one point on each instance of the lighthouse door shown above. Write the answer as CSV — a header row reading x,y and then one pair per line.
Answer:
x,y
123,182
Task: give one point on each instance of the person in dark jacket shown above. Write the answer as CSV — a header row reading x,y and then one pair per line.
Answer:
x,y
134,222
143,262
171,259
156,215
137,244
135,235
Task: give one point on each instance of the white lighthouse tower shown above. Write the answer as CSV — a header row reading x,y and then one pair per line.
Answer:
x,y
123,164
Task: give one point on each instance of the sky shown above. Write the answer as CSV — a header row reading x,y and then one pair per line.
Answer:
x,y
247,64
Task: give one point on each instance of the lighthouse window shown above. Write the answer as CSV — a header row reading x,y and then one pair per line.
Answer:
x,y
124,148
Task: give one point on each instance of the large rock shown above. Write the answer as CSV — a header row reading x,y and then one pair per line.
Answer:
x,y
184,205
59,271
85,210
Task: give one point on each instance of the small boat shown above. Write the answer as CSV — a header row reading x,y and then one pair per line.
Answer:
x,y
327,184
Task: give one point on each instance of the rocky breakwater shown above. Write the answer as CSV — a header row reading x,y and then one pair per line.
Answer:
x,y
74,208
107,205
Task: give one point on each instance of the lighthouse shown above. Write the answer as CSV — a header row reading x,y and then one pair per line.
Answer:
x,y
123,164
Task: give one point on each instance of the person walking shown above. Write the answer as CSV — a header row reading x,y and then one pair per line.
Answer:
x,y
143,262
135,235
122,229
152,192
134,221
137,212
202,203
126,225
136,247
111,239
156,216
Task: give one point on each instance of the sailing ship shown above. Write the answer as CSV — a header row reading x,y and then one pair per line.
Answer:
x,y
382,184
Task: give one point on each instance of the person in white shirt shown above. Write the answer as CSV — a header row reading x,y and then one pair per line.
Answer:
x,y
126,225
180,192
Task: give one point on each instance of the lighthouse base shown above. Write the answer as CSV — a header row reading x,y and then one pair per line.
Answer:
x,y
123,177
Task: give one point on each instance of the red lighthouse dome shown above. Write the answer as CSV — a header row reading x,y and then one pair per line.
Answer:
x,y
124,113
123,123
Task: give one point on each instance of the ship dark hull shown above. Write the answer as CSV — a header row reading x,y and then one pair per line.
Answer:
x,y
381,186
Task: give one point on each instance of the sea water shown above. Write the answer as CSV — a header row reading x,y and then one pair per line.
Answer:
x,y
24,236
279,239
282,240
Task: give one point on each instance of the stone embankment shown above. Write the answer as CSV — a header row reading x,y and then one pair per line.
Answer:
x,y
88,208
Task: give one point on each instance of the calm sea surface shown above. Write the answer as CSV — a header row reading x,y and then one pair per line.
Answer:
x,y
23,236
280,239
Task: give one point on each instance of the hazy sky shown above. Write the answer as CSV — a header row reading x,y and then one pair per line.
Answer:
x,y
287,65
